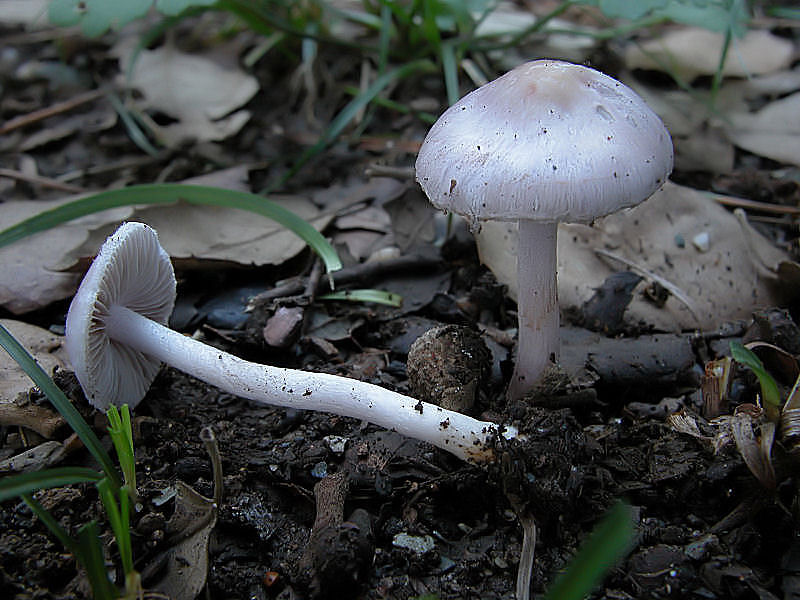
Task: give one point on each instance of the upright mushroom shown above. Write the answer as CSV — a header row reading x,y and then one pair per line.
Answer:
x,y
548,141
117,339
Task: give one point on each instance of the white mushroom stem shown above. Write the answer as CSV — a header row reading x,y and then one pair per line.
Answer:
x,y
459,434
537,304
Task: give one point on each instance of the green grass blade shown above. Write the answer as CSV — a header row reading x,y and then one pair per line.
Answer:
x,y
119,519
122,437
376,296
60,402
168,193
385,38
781,12
45,517
429,26
609,542
405,109
770,394
135,132
262,17
19,484
716,82
450,69
352,108
91,556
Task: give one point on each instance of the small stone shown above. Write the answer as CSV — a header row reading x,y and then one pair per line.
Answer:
x,y
702,241
335,443
702,547
418,544
283,327
319,470
320,346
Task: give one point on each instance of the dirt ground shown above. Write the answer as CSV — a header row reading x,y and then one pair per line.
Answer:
x,y
406,520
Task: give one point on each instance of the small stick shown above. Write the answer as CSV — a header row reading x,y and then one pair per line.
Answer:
x,y
767,207
50,111
330,494
357,272
212,448
526,555
43,181
42,420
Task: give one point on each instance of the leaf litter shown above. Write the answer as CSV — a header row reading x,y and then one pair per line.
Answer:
x,y
718,263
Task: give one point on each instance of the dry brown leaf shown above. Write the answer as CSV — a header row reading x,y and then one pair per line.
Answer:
x,y
689,52
194,89
735,275
29,279
191,232
773,131
47,348
31,13
33,275
701,142
184,565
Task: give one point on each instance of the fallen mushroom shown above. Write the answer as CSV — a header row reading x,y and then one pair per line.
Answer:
x,y
117,338
548,141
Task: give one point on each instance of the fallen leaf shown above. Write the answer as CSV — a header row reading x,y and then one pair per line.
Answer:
x,y
194,233
186,560
737,274
47,348
772,132
27,280
34,276
689,52
364,231
194,89
29,13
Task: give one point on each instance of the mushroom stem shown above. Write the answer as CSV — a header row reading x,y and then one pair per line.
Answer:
x,y
459,434
537,305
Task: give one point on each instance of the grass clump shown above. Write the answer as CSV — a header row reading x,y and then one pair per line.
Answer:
x,y
115,494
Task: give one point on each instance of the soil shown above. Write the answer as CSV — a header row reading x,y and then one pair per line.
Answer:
x,y
392,517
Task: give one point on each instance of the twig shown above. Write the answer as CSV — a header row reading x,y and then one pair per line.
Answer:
x,y
330,494
767,207
43,181
42,420
523,590
212,448
401,173
55,109
360,272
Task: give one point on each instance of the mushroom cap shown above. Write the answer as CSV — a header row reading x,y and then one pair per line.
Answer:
x,y
547,141
131,270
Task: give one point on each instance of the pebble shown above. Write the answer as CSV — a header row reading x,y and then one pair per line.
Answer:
x,y
320,470
702,241
419,544
335,443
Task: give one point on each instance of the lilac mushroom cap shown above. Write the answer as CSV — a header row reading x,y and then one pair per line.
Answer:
x,y
134,271
548,141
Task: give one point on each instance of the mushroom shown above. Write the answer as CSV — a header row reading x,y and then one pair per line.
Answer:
x,y
117,339
548,141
